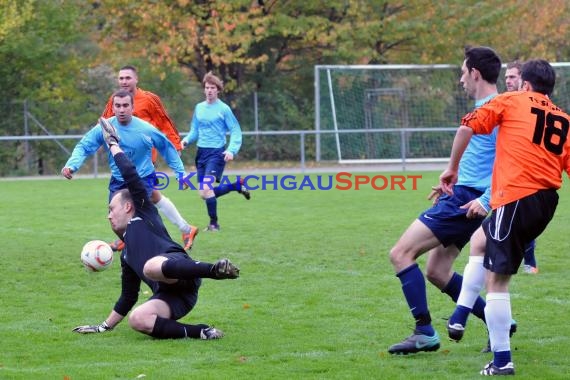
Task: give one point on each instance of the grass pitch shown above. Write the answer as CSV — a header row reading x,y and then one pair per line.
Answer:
x,y
317,298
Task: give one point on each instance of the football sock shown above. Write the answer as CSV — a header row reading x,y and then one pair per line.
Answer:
x,y
460,315
498,314
226,188
414,288
170,329
453,287
166,207
212,206
186,269
529,258
501,358
469,299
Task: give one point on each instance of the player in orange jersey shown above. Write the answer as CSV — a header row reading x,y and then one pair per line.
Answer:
x,y
532,151
147,106
513,83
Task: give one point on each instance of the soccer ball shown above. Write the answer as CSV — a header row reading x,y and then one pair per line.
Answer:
x,y
96,256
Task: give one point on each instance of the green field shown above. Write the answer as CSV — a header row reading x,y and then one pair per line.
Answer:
x,y
317,297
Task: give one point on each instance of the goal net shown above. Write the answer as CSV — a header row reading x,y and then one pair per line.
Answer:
x,y
396,113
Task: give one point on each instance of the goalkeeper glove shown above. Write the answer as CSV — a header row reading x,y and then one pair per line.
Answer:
x,y
87,329
109,132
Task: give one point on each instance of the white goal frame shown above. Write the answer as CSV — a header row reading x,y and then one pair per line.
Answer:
x,y
338,131
561,97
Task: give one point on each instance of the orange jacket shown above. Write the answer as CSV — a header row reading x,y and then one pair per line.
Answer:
x,y
532,143
147,106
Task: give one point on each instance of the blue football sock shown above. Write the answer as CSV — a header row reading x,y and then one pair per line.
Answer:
x,y
414,288
224,189
460,315
453,287
501,358
529,258
212,206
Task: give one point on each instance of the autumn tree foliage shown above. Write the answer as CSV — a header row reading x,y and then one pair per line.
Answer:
x,y
67,52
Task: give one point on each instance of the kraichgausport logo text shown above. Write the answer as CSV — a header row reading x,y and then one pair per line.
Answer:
x,y
338,181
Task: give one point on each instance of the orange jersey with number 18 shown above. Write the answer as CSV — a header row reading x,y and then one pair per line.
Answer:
x,y
532,143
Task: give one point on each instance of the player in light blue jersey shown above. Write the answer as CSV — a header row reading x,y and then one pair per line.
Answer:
x,y
445,228
137,140
211,120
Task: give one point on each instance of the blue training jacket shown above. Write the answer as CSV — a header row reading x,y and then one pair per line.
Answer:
x,y
137,140
209,125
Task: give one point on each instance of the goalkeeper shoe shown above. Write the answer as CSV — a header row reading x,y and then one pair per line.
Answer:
x,y
211,333
492,370
117,245
188,238
415,343
224,269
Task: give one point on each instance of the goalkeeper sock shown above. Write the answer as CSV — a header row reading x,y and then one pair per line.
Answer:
x,y
186,269
170,329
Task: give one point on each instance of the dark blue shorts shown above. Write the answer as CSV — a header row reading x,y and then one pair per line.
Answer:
x,y
115,185
182,296
513,226
448,221
210,162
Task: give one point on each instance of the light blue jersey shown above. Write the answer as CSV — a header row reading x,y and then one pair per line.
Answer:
x,y
209,125
476,165
137,140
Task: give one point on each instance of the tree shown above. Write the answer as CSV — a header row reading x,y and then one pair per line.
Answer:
x,y
42,51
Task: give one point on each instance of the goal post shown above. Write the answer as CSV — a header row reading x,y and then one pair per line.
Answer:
x,y
396,113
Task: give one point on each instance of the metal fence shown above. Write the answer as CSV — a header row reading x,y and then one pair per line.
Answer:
x,y
304,142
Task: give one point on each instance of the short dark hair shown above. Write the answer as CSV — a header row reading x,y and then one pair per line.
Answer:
x,y
122,94
485,60
125,195
129,67
540,74
514,65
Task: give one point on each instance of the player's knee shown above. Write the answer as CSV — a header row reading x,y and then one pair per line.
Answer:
x,y
397,255
155,196
434,276
140,322
393,255
153,268
206,193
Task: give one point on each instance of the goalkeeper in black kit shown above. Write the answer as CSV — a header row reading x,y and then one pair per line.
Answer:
x,y
151,256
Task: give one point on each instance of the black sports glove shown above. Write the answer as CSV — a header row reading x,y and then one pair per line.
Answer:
x,y
87,329
110,134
